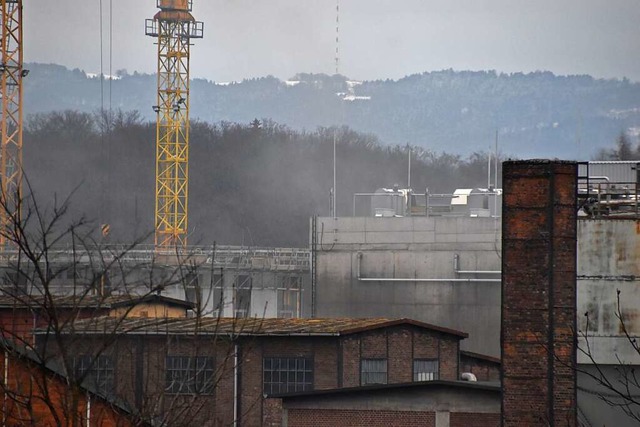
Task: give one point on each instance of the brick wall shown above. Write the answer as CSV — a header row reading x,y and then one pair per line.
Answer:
x,y
45,399
400,365
272,413
538,293
356,418
400,346
467,419
350,361
482,368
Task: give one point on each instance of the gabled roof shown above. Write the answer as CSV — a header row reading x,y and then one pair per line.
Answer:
x,y
87,301
233,327
152,299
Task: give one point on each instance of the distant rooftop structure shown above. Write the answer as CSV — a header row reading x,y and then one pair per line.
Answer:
x,y
609,189
402,202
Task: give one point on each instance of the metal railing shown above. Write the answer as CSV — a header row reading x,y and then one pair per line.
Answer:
x,y
600,198
238,257
418,204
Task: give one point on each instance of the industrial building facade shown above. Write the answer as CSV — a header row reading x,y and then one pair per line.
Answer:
x,y
445,269
438,269
222,281
220,370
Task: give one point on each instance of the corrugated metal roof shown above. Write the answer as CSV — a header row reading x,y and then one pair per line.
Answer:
x,y
614,171
38,301
87,301
233,327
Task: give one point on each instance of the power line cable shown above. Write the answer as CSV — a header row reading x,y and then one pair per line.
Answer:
x,y
110,52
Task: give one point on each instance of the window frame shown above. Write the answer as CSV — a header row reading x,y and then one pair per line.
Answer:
x,y
364,376
98,372
194,375
416,373
303,378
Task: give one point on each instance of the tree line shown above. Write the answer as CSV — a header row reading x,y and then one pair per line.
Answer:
x,y
254,183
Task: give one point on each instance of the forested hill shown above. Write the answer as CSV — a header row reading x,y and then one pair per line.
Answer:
x,y
536,115
252,184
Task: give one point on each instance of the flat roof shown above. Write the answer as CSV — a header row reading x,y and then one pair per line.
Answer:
x,y
480,356
493,387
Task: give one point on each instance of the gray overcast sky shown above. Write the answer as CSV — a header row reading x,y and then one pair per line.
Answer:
x,y
378,38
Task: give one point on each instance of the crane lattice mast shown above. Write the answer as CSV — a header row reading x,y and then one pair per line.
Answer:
x,y
173,27
11,75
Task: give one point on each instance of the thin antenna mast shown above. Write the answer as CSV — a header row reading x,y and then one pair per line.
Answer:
x,y
334,211
409,168
337,36
489,168
495,172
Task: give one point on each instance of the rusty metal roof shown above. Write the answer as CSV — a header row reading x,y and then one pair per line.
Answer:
x,y
233,327
37,302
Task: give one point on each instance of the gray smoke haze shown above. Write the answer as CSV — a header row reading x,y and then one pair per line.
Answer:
x,y
379,38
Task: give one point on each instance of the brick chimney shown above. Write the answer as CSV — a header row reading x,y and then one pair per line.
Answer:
x,y
538,336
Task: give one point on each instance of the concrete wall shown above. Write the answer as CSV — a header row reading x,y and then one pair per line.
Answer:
x,y
411,248
608,255
592,410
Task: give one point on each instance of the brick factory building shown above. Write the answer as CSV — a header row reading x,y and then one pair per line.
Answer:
x,y
427,404
219,370
37,393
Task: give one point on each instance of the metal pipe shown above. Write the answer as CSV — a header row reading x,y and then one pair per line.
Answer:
x,y
6,385
384,279
456,266
407,279
88,410
599,178
478,271
235,385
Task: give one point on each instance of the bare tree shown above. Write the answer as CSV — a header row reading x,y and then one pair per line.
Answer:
x,y
620,387
62,279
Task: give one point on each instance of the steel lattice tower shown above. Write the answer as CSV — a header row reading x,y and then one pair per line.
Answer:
x,y
173,27
11,75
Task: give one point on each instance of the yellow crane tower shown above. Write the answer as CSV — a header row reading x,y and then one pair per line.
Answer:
x,y
173,27
11,75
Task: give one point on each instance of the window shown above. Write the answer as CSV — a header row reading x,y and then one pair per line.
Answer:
x,y
193,288
95,372
189,375
287,374
242,295
289,297
15,280
425,370
373,371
